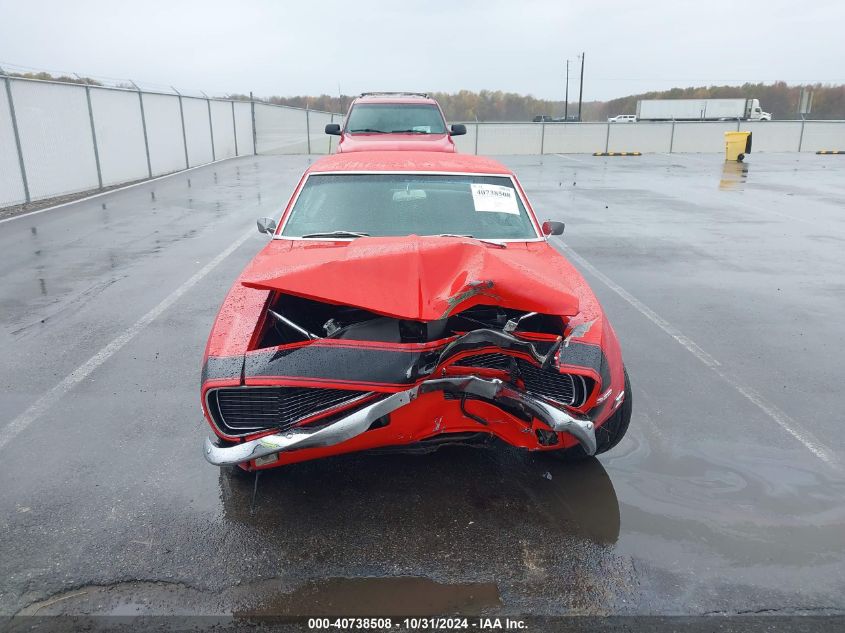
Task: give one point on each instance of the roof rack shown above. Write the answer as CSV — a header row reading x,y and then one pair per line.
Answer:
x,y
424,95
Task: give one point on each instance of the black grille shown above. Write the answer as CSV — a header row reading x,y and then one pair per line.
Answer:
x,y
563,388
487,361
243,410
568,389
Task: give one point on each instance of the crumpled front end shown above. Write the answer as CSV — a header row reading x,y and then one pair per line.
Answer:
x,y
320,378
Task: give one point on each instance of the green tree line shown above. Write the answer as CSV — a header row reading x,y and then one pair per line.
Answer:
x,y
780,99
62,78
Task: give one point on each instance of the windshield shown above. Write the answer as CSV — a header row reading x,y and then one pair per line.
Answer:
x,y
485,207
388,118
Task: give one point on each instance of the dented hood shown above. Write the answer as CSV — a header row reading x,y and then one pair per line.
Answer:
x,y
419,278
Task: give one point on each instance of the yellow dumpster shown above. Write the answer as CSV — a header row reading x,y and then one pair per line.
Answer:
x,y
737,145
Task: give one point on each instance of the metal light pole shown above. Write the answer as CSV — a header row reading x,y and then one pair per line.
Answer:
x,y
93,130
581,89
16,132
254,135
566,105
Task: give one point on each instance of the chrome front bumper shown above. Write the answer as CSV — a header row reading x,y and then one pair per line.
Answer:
x,y
358,422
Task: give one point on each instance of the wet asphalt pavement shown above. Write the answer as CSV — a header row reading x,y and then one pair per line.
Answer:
x,y
725,284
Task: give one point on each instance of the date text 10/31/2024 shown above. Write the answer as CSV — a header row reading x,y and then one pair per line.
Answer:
x,y
429,623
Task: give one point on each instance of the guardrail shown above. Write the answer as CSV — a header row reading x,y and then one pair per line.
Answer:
x,y
646,137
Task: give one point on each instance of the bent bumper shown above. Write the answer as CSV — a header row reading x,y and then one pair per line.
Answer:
x,y
354,424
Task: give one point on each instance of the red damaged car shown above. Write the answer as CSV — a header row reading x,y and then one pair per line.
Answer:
x,y
403,121
409,299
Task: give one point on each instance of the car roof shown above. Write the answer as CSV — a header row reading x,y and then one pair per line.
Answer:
x,y
410,161
394,98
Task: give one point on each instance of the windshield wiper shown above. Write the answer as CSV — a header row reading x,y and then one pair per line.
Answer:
x,y
408,132
338,234
370,130
478,239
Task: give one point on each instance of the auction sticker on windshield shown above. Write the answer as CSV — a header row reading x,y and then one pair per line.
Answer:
x,y
494,198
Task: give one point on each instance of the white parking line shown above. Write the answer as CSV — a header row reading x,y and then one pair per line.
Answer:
x,y
780,417
713,159
567,156
768,211
46,401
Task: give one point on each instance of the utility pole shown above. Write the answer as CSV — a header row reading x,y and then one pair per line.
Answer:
x,y
566,106
581,89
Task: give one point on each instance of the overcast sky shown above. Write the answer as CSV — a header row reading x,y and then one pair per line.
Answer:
x,y
312,46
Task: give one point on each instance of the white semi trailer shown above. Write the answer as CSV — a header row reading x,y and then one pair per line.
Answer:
x,y
700,110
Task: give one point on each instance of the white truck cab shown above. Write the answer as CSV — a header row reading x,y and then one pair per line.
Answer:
x,y
623,118
756,114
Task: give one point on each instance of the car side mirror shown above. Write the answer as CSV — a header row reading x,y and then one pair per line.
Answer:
x,y
266,225
553,228
333,129
459,129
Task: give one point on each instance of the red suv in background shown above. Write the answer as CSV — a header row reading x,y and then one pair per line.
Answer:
x,y
395,121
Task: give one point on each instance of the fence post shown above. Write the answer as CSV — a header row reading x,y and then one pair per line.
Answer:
x,y
254,136
542,137
476,136
672,136
331,120
737,124
144,128
15,131
184,134
801,137
308,127
93,135
234,129
606,138
210,127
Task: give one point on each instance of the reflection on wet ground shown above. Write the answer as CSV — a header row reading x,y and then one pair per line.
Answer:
x,y
734,175
483,484
464,529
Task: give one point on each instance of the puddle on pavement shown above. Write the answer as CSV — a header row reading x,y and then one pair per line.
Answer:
x,y
487,488
363,596
401,595
762,507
